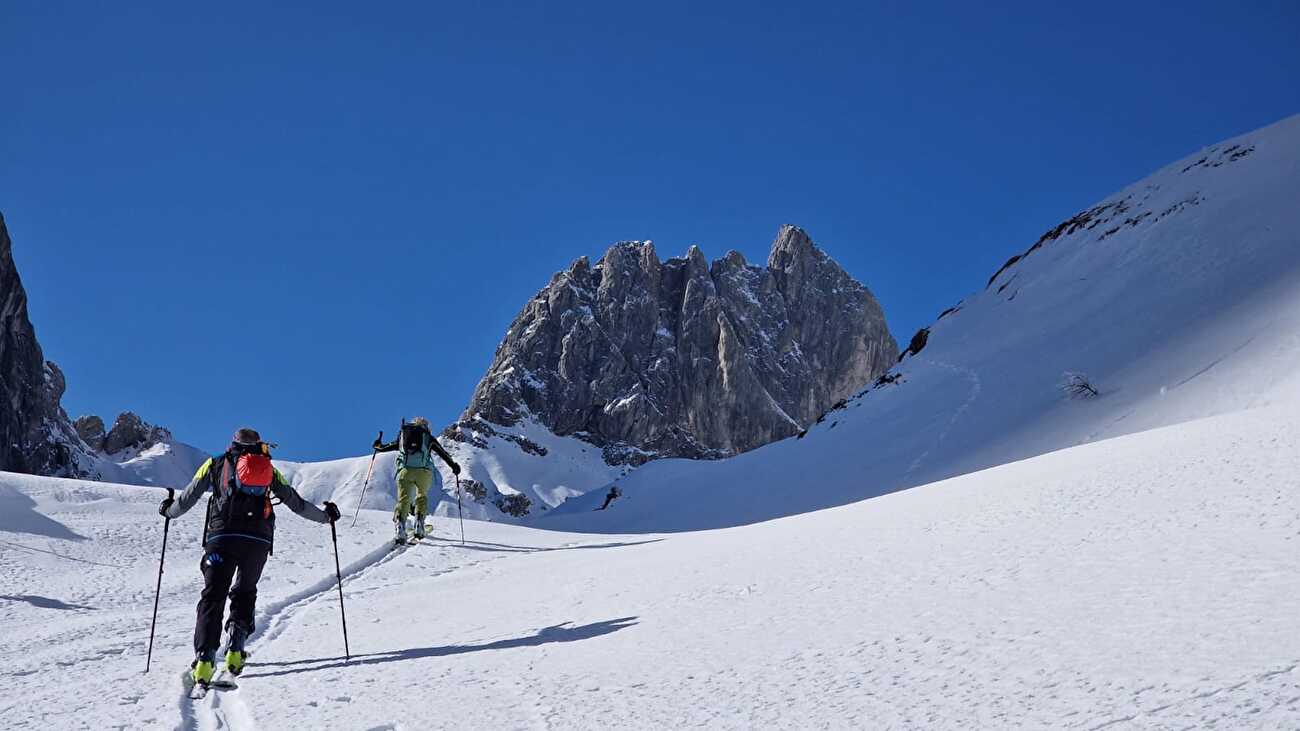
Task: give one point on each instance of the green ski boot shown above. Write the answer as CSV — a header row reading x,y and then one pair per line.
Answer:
x,y
201,671
235,655
234,662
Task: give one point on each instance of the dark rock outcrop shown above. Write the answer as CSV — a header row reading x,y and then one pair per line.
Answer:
x,y
684,358
129,432
91,430
36,435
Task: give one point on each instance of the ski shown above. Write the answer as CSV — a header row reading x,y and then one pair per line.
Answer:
x,y
199,691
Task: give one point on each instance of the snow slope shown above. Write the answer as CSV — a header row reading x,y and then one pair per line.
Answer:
x,y
1140,582
569,467
166,464
1179,297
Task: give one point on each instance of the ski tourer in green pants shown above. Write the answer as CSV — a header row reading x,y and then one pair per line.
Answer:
x,y
416,475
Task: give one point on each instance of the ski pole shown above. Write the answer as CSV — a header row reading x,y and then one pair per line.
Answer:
x,y
461,511
368,473
339,573
167,523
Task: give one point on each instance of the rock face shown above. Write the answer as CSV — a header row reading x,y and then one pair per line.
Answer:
x,y
129,432
91,431
35,434
684,358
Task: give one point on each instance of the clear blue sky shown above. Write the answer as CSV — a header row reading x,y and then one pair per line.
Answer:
x,y
219,212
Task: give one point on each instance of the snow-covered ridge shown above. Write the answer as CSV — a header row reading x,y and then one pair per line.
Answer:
x,y
1178,297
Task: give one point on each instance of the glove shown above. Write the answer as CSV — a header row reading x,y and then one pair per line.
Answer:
x,y
164,506
332,511
455,468
377,444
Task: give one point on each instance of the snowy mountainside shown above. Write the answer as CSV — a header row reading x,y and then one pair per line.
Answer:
x,y
1178,297
1140,582
165,464
134,452
524,468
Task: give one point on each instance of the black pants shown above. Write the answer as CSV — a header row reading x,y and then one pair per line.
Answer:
x,y
227,559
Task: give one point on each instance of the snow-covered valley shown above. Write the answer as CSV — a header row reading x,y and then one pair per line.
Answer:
x,y
1142,582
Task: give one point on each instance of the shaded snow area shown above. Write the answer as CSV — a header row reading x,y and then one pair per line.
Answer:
x,y
1142,582
1178,297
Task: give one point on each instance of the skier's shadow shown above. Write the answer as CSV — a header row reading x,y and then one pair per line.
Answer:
x,y
556,633
44,602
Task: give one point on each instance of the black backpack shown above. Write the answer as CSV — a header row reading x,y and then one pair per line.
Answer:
x,y
412,445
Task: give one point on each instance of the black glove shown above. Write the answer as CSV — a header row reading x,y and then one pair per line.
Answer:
x,y
377,444
332,511
455,468
165,505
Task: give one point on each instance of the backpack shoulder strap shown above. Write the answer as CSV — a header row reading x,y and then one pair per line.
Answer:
x,y
224,463
220,481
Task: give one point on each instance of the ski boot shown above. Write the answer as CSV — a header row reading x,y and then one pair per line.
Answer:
x,y
419,526
235,649
203,668
401,532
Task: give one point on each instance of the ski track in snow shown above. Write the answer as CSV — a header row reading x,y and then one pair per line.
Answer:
x,y
225,709
228,710
976,386
1150,715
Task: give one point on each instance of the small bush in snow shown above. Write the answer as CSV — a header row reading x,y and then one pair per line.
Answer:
x,y
517,505
474,489
1077,385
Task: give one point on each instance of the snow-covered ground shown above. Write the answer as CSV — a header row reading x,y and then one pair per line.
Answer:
x,y
1142,582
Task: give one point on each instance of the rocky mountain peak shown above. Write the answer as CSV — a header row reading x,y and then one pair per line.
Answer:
x,y
580,267
648,358
791,243
91,430
35,433
733,260
129,431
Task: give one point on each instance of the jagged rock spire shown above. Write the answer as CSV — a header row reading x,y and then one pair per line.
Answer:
x,y
680,358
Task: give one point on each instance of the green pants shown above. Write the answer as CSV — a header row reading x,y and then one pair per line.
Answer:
x,y
412,486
